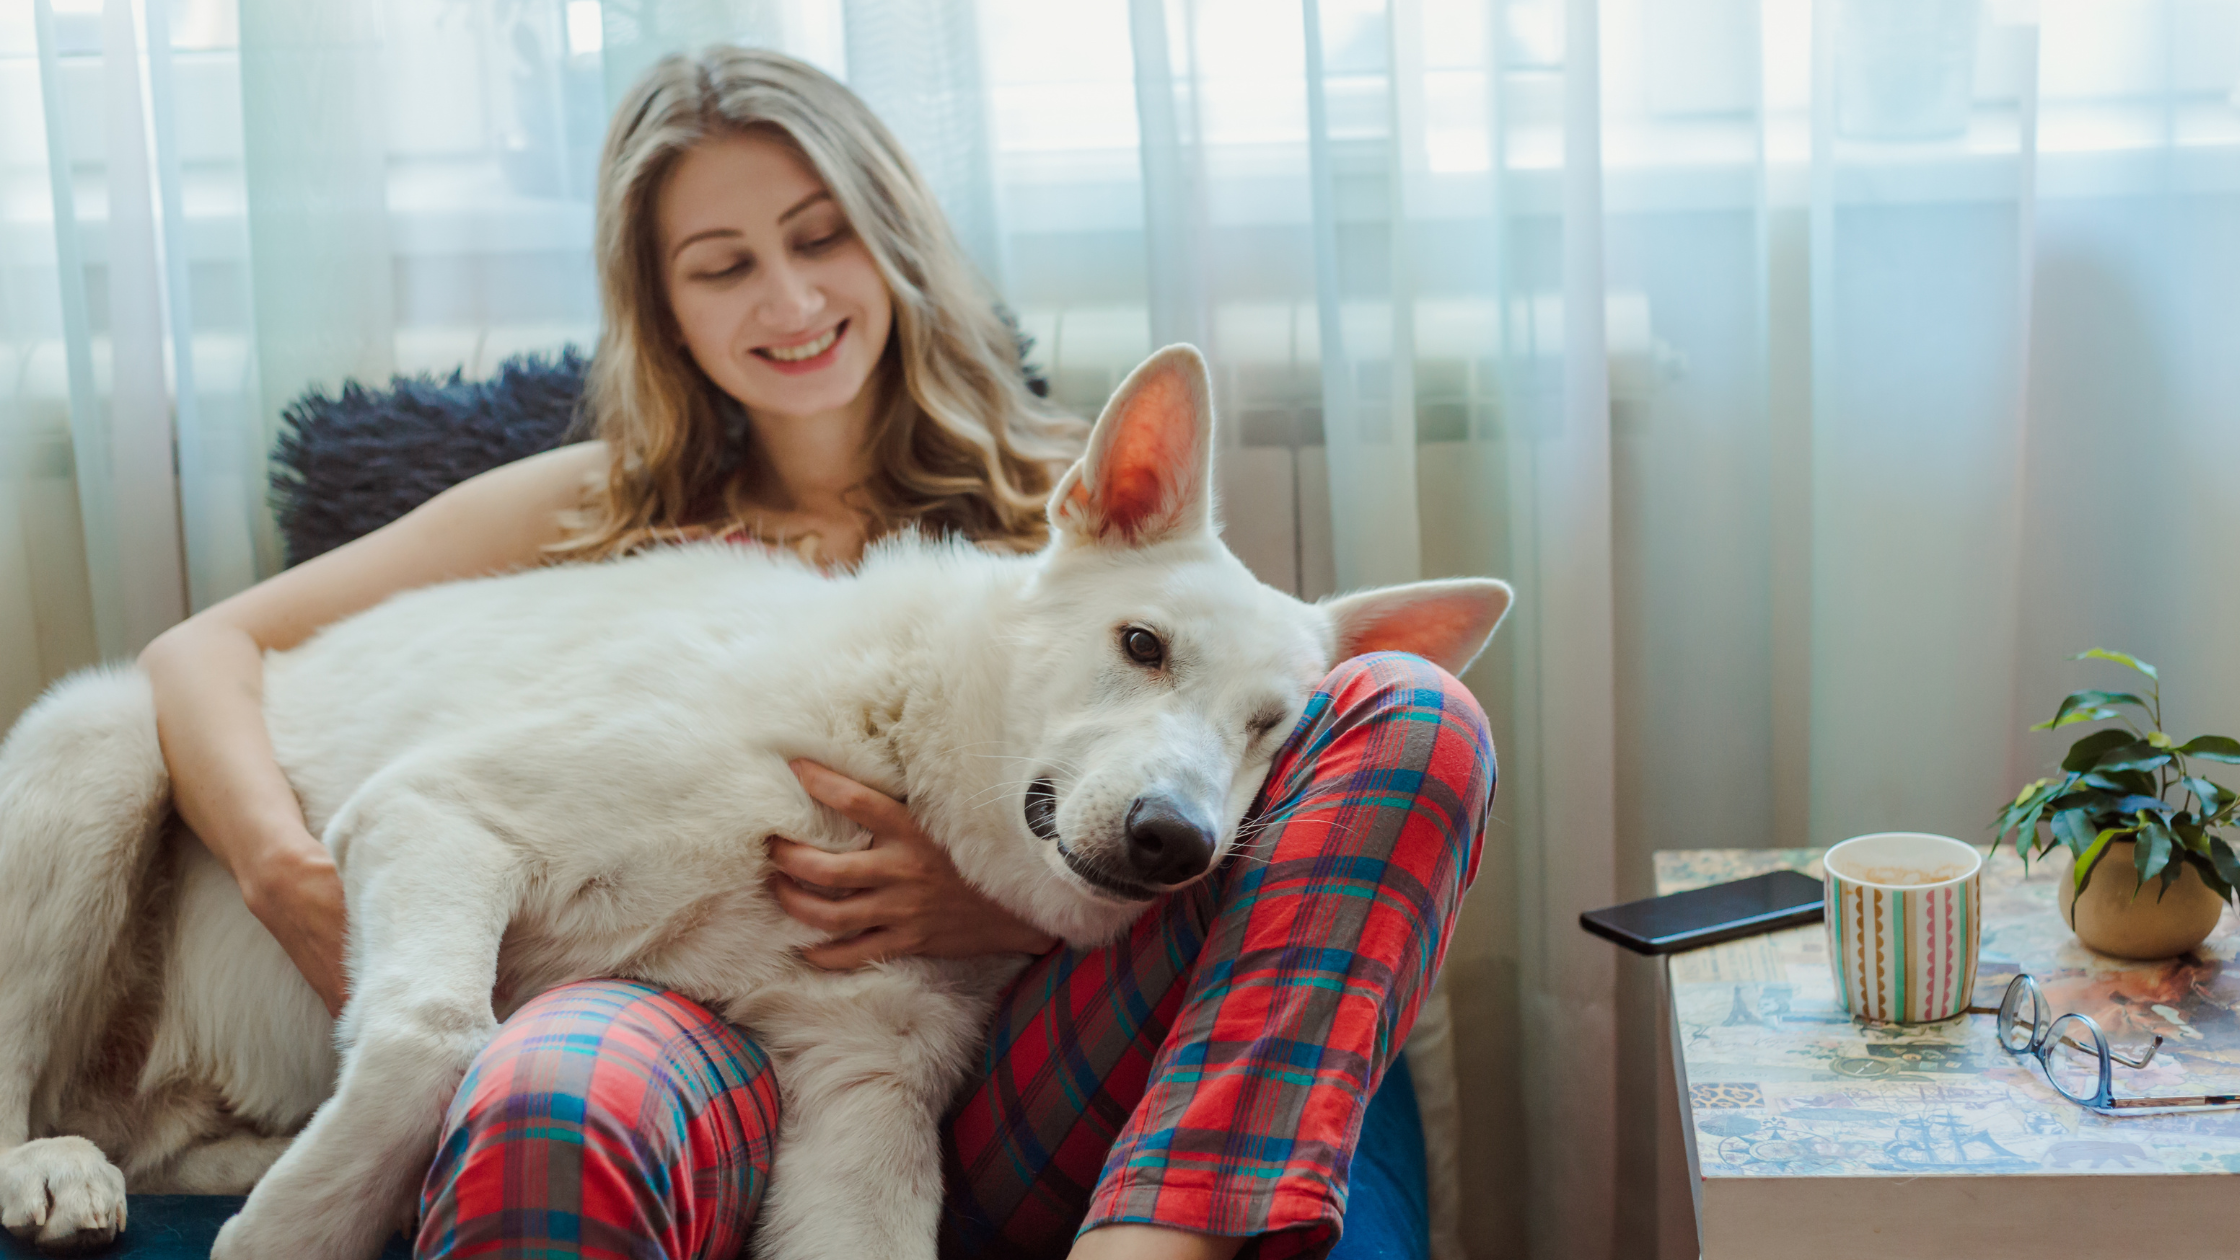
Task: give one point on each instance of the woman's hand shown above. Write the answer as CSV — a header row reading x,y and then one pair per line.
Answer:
x,y
900,896
297,894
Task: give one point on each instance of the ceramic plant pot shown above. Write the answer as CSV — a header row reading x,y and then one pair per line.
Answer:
x,y
2110,919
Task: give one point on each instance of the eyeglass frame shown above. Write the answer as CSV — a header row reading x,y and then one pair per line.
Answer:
x,y
2040,1047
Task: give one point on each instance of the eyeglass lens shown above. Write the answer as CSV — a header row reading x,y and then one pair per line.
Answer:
x,y
2021,1014
2075,1058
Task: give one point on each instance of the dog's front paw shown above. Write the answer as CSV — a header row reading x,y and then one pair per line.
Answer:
x,y
62,1195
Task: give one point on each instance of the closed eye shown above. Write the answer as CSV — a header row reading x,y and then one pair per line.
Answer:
x,y
1263,722
738,268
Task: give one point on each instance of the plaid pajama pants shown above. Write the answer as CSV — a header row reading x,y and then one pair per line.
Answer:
x,y
1209,1072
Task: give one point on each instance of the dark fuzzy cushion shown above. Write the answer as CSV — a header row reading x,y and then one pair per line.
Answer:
x,y
349,465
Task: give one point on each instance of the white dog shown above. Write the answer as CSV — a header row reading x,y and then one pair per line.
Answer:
x,y
570,772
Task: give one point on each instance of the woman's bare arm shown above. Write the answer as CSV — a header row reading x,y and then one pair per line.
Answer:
x,y
208,677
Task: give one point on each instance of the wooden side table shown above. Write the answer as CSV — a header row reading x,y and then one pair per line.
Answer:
x,y
1810,1136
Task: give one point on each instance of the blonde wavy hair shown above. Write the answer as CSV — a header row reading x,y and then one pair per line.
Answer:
x,y
961,445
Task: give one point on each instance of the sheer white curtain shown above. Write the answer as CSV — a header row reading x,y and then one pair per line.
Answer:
x,y
1823,372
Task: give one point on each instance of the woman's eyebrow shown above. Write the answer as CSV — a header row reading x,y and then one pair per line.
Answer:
x,y
710,234
821,194
714,233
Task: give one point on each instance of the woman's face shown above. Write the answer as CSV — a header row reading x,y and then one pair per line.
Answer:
x,y
779,301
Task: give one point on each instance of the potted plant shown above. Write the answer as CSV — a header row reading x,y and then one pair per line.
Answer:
x,y
2129,807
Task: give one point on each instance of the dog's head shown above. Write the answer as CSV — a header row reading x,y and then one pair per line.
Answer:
x,y
1155,678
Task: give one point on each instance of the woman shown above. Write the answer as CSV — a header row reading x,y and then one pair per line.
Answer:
x,y
795,352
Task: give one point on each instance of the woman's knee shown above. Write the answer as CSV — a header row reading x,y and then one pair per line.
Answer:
x,y
622,1110
1402,680
1394,724
1413,696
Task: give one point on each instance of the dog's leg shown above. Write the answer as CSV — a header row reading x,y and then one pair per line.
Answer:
x,y
82,797
230,1165
424,933
858,1164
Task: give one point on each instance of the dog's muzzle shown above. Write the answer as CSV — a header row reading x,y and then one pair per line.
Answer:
x,y
1042,819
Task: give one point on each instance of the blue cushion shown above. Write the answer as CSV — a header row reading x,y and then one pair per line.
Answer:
x,y
1388,1211
174,1227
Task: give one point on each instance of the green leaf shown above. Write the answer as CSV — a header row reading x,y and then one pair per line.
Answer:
x,y
2213,796
2215,881
2075,716
2026,830
2090,855
2091,705
2137,754
2086,752
2152,854
2226,861
2100,809
2130,805
2124,782
2073,827
2037,793
2021,817
2210,748
2120,658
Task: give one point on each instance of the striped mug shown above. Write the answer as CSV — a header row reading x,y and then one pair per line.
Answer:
x,y
1905,919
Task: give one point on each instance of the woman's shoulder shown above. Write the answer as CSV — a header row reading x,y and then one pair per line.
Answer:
x,y
522,507
561,479
576,458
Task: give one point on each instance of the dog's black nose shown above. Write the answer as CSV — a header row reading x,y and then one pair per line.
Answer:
x,y
1167,843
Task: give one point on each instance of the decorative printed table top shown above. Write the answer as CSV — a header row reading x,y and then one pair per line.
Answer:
x,y
1781,1083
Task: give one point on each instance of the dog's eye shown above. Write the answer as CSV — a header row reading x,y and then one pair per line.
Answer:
x,y
1143,647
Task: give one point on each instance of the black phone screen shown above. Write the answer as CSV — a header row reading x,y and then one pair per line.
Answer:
x,y
1706,916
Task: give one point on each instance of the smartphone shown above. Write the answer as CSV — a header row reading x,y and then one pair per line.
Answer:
x,y
1707,916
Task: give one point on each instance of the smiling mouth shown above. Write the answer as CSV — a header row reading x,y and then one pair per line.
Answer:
x,y
796,355
1042,820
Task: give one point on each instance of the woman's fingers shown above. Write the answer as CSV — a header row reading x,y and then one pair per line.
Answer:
x,y
810,865
854,952
874,811
858,913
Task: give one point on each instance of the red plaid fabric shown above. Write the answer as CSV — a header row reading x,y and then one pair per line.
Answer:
x,y
1208,1072
609,1119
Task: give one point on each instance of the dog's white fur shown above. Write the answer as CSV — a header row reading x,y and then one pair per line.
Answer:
x,y
570,772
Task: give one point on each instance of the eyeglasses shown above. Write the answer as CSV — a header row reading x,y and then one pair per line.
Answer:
x,y
2075,1055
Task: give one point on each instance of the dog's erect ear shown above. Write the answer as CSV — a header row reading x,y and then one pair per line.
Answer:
x,y
1148,473
1447,623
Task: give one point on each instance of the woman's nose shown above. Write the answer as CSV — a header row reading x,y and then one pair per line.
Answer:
x,y
790,299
